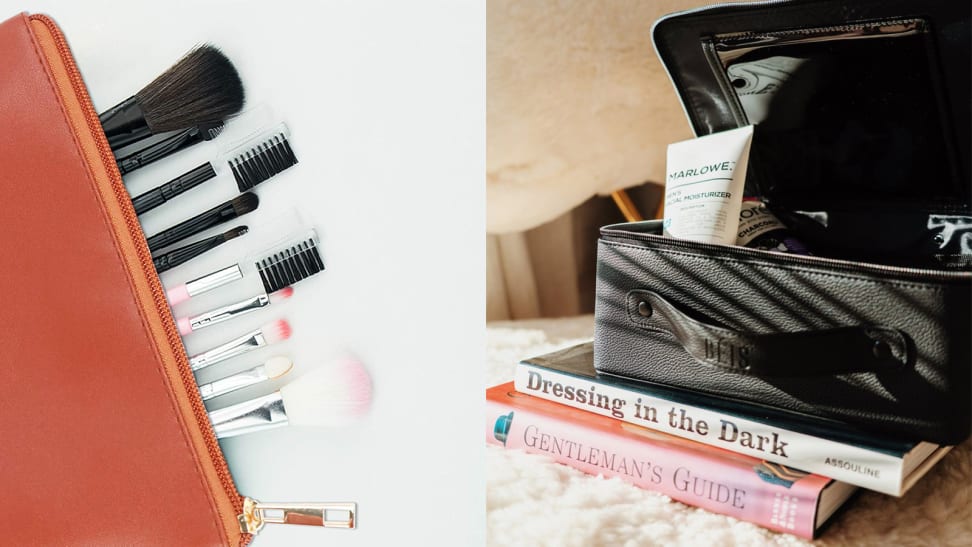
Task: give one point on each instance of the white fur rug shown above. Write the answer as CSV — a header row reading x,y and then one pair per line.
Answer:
x,y
533,501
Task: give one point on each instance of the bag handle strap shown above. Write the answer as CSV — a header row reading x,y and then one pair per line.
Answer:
x,y
796,354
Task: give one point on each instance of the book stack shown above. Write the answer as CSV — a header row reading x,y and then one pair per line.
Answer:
x,y
753,463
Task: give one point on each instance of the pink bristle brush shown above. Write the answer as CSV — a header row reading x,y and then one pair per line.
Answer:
x,y
334,394
270,333
190,324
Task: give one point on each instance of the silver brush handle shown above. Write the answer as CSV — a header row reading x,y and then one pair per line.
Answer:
x,y
228,312
228,384
250,416
239,346
214,280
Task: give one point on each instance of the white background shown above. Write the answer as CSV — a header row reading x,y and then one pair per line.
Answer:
x,y
386,103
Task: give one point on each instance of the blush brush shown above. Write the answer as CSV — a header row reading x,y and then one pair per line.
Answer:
x,y
200,89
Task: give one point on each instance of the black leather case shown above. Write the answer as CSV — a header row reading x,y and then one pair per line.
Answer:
x,y
862,147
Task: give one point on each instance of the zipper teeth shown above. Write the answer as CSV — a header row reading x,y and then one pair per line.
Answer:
x,y
828,29
739,115
843,265
161,303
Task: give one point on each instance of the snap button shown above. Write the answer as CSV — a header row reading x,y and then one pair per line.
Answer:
x,y
644,309
881,350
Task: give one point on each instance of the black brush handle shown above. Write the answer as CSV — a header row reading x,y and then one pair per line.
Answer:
x,y
161,194
223,212
166,147
124,124
186,253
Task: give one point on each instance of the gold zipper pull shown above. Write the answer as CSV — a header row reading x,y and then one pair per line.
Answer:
x,y
329,515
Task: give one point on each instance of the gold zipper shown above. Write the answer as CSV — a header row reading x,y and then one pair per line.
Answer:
x,y
329,515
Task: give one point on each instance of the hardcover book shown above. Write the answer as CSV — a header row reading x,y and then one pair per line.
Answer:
x,y
831,449
714,479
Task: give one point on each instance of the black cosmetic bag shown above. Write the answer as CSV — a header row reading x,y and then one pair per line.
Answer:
x,y
862,114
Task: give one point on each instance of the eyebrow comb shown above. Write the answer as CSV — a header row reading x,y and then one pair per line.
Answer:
x,y
281,266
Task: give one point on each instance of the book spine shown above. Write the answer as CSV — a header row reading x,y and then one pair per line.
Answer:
x,y
721,485
844,462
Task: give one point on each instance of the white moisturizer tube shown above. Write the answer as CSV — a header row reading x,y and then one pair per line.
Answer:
x,y
704,186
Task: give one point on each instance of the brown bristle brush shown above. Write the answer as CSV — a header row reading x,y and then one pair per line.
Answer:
x,y
201,88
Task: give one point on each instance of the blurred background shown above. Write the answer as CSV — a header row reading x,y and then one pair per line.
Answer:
x,y
579,107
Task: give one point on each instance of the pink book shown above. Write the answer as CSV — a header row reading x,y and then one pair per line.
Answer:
x,y
764,493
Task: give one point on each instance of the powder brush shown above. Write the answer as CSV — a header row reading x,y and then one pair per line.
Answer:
x,y
200,89
335,394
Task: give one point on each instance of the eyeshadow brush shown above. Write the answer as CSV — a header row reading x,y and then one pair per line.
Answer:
x,y
224,212
269,334
180,256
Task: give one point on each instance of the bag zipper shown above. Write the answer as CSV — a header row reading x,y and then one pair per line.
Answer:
x,y
329,515
620,235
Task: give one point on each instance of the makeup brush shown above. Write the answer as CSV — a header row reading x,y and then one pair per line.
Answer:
x,y
170,145
184,291
334,394
190,324
224,212
278,267
147,201
270,333
201,88
274,368
256,161
186,253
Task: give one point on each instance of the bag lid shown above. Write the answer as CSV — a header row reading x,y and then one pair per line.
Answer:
x,y
862,105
